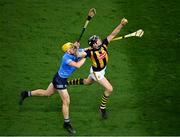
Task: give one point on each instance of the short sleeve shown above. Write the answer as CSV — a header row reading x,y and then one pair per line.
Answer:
x,y
80,50
88,52
105,42
67,61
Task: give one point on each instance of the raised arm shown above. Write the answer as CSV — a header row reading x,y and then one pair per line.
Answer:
x,y
117,29
78,54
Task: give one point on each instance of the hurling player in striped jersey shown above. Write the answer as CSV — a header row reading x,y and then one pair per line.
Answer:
x,y
98,54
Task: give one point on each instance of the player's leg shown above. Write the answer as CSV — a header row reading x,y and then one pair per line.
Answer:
x,y
39,92
107,86
65,102
88,81
76,81
65,110
80,81
107,92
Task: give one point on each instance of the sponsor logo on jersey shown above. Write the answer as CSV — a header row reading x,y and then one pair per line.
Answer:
x,y
103,55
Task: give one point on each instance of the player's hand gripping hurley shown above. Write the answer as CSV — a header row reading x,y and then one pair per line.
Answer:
x,y
91,14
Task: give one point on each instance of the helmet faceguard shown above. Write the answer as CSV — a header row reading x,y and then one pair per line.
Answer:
x,y
93,39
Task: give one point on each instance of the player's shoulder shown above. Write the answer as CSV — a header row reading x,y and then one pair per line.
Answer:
x,y
67,56
105,41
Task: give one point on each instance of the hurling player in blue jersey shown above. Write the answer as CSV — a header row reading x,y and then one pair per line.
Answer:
x,y
59,83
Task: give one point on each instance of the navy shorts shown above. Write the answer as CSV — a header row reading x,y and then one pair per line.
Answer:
x,y
59,83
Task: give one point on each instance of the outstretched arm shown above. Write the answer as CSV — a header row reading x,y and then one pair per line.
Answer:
x,y
117,29
77,64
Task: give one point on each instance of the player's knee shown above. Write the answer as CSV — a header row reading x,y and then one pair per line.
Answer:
x,y
48,93
87,82
109,89
66,101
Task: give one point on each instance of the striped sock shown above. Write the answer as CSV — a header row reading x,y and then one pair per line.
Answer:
x,y
29,93
67,120
78,81
104,101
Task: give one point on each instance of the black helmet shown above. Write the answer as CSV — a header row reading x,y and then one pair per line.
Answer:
x,y
92,40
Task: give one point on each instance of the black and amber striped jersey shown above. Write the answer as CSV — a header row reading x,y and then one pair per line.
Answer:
x,y
99,57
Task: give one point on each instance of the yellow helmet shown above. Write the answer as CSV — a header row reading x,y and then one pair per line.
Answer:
x,y
67,46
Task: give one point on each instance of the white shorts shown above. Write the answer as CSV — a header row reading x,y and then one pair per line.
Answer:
x,y
97,75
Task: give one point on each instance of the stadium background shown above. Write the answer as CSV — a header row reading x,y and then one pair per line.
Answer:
x,y
144,72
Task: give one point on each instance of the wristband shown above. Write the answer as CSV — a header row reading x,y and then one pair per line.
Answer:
x,y
89,18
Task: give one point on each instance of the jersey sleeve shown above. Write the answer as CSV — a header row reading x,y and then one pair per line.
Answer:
x,y
88,52
105,43
66,59
80,50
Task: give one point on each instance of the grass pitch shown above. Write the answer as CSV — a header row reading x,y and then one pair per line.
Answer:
x,y
144,72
